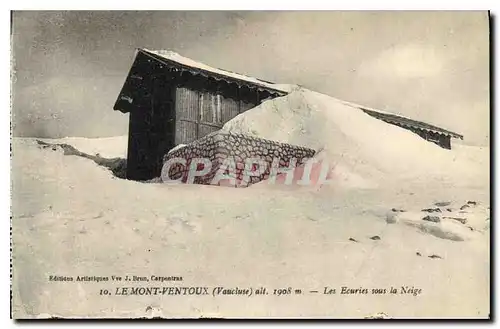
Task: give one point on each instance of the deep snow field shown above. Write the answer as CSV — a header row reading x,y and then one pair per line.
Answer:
x,y
72,217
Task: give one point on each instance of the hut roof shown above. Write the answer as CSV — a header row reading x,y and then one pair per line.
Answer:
x,y
404,121
176,61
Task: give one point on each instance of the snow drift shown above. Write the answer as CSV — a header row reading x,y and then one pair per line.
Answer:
x,y
110,147
365,151
70,216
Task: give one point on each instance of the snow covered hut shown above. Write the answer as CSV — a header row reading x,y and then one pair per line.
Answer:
x,y
173,100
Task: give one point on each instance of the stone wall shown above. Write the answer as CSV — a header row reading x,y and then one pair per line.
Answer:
x,y
221,146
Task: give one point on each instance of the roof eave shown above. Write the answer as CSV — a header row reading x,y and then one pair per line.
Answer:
x,y
206,73
412,123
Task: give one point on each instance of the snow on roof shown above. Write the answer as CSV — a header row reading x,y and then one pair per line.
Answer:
x,y
200,68
175,57
407,122
402,120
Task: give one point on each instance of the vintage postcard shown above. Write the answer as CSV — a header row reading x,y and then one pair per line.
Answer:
x,y
223,164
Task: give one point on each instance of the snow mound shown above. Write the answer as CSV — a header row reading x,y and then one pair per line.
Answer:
x,y
364,150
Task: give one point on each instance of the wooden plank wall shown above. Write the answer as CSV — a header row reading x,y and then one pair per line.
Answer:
x,y
198,113
187,109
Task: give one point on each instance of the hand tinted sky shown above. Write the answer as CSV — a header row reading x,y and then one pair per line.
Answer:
x,y
431,66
